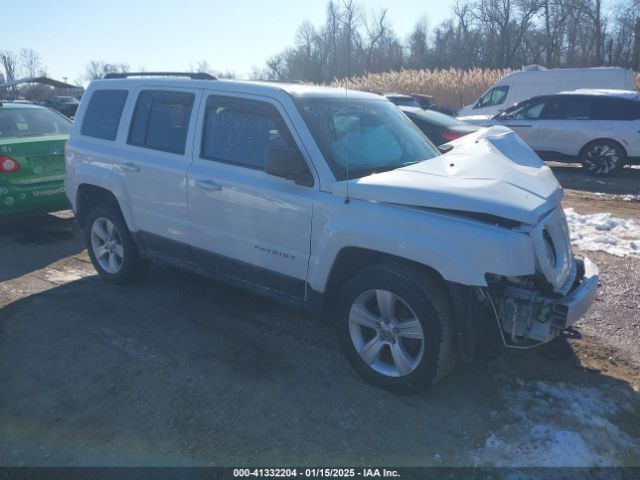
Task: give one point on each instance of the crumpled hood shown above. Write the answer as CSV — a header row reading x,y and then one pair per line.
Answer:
x,y
490,171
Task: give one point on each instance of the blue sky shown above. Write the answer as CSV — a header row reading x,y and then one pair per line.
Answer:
x,y
170,35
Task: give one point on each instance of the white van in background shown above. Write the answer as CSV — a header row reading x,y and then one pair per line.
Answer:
x,y
536,80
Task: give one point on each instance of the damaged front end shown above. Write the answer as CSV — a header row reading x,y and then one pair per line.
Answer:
x,y
534,309
529,316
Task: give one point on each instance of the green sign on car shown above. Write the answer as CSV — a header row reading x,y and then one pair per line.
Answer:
x,y
32,142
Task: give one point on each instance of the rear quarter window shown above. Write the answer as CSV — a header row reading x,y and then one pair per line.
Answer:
x,y
102,117
616,109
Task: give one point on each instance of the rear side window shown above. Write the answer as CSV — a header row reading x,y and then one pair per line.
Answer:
x,y
241,131
616,109
102,116
161,120
568,107
577,108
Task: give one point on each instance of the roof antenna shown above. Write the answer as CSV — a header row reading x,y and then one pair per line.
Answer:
x,y
347,199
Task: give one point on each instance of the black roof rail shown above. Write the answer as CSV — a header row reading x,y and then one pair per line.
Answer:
x,y
191,75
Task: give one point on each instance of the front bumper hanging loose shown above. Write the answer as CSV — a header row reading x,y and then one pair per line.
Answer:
x,y
528,317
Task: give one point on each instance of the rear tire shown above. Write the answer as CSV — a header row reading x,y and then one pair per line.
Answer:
x,y
395,326
602,158
111,248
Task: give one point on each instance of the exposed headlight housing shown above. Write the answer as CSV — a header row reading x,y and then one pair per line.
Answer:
x,y
553,251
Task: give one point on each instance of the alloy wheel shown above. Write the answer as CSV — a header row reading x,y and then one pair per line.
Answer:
x,y
386,333
107,245
601,159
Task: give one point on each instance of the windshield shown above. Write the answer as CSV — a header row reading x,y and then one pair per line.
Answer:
x,y
362,137
32,123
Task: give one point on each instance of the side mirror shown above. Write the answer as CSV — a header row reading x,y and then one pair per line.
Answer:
x,y
285,162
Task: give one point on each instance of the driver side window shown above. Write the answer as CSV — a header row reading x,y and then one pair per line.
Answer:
x,y
240,132
526,111
495,96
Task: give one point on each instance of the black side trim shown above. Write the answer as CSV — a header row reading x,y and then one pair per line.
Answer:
x,y
260,280
556,156
155,243
247,274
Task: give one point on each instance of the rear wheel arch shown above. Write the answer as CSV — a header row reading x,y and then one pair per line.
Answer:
x,y
602,139
88,196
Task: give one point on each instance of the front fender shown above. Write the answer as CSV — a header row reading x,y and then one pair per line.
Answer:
x,y
461,250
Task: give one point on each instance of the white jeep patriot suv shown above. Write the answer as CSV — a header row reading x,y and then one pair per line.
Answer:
x,y
334,201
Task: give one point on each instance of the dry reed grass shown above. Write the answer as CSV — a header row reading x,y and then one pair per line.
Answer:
x,y
451,87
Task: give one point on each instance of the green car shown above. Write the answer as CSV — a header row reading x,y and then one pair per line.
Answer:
x,y
32,142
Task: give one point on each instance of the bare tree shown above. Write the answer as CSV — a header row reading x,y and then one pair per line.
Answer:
x,y
509,21
375,35
201,67
479,33
96,69
9,62
30,62
418,45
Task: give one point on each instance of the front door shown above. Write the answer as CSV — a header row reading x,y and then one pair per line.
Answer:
x,y
523,119
244,223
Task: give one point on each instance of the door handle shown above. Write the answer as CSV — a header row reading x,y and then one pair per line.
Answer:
x,y
208,185
129,167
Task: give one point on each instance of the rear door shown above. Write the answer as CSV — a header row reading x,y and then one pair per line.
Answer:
x,y
619,119
245,224
151,166
567,123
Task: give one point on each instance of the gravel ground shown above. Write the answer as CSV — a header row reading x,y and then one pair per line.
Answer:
x,y
181,370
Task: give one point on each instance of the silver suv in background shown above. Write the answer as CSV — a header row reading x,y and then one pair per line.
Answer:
x,y
598,128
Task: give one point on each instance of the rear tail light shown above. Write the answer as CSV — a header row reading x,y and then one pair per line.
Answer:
x,y
8,165
448,136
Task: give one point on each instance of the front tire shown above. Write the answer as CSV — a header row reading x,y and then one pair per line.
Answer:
x,y
111,248
395,326
602,158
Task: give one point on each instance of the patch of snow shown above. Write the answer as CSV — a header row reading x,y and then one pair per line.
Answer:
x,y
631,198
603,232
556,425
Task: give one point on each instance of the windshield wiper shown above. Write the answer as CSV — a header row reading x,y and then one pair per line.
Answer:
x,y
364,172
